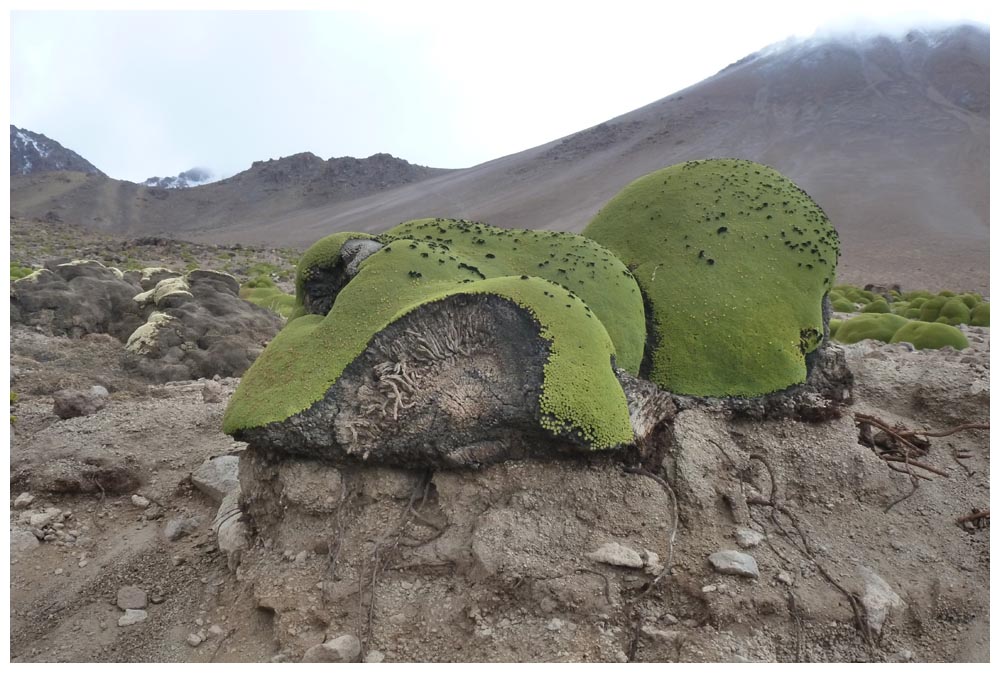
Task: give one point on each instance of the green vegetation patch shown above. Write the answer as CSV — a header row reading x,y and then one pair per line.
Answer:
x,y
980,316
734,260
580,395
269,297
580,265
880,305
18,271
930,335
878,326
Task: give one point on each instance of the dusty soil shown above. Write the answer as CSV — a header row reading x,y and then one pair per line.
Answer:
x,y
493,565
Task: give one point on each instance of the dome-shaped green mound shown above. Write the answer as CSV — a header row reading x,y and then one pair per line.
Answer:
x,y
546,274
843,305
980,315
734,260
878,326
955,312
931,309
269,297
877,306
834,326
930,335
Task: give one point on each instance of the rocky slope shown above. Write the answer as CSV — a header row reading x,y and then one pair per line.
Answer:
x,y
32,153
890,136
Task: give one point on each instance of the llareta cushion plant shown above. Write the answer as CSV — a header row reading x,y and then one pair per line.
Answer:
x,y
734,260
448,342
453,292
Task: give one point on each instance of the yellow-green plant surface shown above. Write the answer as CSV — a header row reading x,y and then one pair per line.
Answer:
x,y
735,260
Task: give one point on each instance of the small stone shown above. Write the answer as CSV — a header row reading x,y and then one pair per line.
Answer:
x,y
668,619
156,599
342,649
398,618
216,630
748,538
786,578
82,564
22,541
23,501
180,527
58,571
212,392
374,657
554,624
131,597
199,621
732,562
177,560
217,476
140,501
301,556
878,598
194,640
132,617
709,588
616,554
44,518
73,403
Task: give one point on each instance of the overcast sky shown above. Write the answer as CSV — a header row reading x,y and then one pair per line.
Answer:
x,y
154,93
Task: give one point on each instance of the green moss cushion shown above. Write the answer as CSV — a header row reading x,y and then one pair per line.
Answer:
x,y
834,326
578,264
878,326
955,311
877,306
734,260
580,393
270,298
980,316
931,309
930,335
844,306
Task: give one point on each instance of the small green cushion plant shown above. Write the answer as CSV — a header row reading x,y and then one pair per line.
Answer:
x,y
925,335
878,326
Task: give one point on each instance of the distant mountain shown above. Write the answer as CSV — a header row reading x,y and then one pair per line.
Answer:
x,y
890,135
267,191
32,152
189,178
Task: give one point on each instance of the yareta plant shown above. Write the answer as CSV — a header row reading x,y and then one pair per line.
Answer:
x,y
734,261
471,337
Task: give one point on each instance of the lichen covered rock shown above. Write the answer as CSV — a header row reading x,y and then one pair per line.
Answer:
x,y
734,261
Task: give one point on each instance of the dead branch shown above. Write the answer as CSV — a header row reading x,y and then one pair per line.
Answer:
x,y
975,516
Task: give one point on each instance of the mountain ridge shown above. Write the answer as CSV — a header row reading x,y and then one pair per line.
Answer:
x,y
890,136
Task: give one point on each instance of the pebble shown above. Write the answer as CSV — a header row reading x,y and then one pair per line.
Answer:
x,y
131,597
554,624
374,657
132,617
747,538
786,578
23,501
732,562
301,556
58,571
180,527
194,640
140,501
345,648
616,554
216,630
82,564
177,560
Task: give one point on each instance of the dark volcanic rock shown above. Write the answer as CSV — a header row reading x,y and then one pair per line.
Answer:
x,y
77,298
198,327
